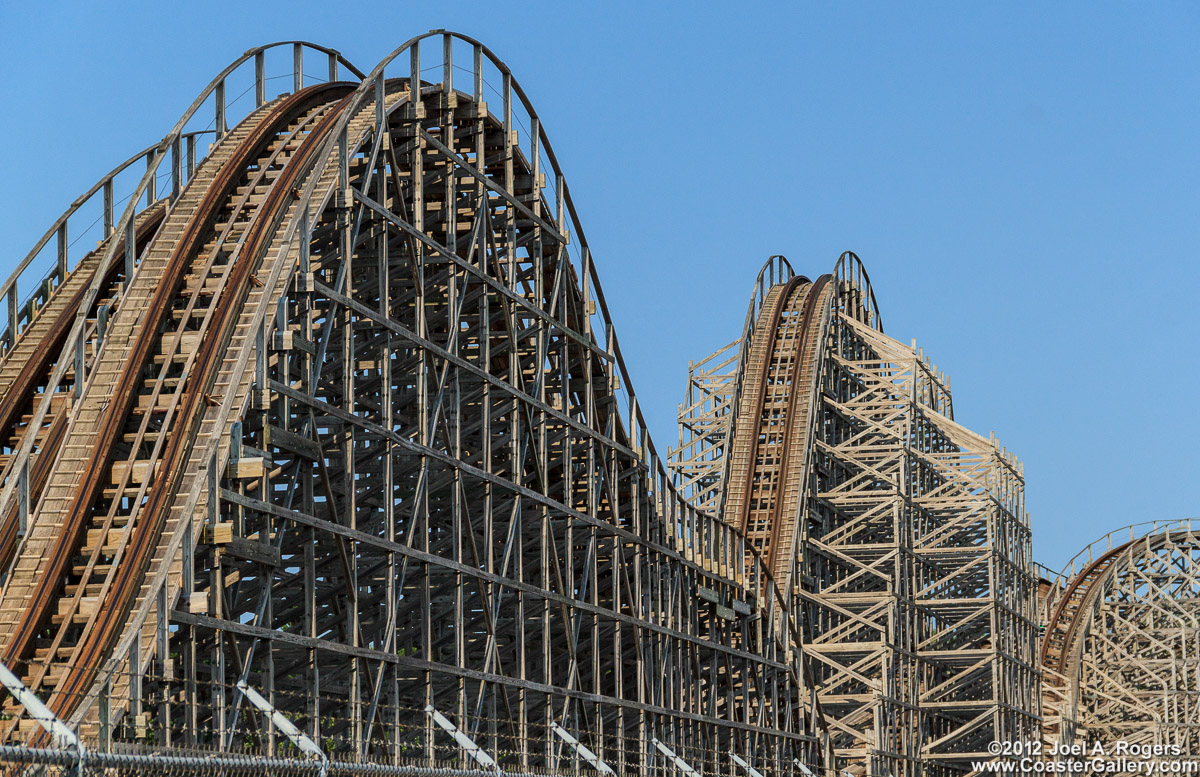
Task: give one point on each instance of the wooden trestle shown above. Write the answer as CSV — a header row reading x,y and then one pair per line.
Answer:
x,y
1122,645
348,422
898,537
342,416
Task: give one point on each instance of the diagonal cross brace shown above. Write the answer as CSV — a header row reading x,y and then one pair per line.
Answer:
x,y
285,726
464,741
584,752
680,764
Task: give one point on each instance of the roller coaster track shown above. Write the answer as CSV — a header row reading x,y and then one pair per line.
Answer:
x,y
27,366
772,440
834,449
350,423
195,281
344,418
1118,645
1065,626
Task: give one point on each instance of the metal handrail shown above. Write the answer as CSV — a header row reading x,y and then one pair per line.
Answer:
x,y
21,312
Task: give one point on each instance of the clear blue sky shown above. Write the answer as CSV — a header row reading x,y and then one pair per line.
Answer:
x,y
1021,181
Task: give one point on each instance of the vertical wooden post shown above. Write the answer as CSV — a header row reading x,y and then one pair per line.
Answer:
x,y
176,169
297,67
108,207
152,184
260,79
63,247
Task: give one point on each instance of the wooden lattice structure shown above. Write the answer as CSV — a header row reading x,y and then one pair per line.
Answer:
x,y
900,536
1121,649
343,418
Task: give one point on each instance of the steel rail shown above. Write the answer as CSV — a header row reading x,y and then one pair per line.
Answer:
x,y
814,292
1063,576
776,263
751,438
1065,639
149,528
194,402
1063,625
233,212
153,154
754,429
229,403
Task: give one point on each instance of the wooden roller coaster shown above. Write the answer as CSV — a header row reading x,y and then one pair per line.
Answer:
x,y
898,536
772,442
334,434
100,516
342,419
1122,622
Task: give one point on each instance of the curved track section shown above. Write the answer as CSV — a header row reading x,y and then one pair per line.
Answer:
x,y
27,366
84,558
1119,647
772,440
351,426
714,387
